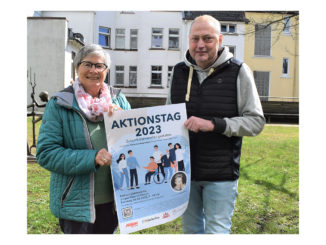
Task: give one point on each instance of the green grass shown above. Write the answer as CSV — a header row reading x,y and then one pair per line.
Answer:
x,y
268,201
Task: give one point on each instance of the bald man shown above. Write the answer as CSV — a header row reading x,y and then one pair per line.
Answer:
x,y
222,106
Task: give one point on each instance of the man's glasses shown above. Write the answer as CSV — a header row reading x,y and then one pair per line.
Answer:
x,y
98,66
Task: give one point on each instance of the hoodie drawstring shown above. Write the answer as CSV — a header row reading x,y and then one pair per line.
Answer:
x,y
189,83
190,80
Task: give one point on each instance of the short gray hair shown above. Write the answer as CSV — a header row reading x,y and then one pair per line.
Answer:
x,y
89,50
210,19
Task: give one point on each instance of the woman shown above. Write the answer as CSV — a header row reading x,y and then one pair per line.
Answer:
x,y
72,145
123,170
179,156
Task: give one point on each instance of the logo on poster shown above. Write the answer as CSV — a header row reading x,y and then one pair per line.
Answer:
x,y
132,224
166,215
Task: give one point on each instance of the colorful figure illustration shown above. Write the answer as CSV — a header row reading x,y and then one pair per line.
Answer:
x,y
151,167
172,157
157,154
133,165
179,156
168,171
122,164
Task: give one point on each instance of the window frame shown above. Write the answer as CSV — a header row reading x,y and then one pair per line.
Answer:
x,y
134,36
174,36
156,72
263,41
119,72
288,68
132,72
228,28
262,87
157,34
287,25
123,36
107,36
169,76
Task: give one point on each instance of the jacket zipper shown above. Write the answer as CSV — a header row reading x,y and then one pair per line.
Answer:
x,y
67,190
90,146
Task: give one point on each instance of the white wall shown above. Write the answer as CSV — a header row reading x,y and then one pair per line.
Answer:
x,y
80,22
46,43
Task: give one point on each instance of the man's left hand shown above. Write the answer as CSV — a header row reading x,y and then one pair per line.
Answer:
x,y
197,124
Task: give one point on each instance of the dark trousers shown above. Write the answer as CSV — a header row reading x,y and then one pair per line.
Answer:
x,y
133,175
181,166
148,176
105,223
160,167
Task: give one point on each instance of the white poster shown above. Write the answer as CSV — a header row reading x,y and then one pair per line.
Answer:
x,y
150,165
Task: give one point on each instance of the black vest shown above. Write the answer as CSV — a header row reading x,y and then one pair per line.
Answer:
x,y
214,157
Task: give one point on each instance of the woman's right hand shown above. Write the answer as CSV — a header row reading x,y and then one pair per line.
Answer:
x,y
103,157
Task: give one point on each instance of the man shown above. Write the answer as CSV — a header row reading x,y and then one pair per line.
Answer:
x,y
157,158
168,171
172,157
222,106
151,167
132,163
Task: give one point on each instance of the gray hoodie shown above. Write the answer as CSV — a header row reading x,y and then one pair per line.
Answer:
x,y
250,121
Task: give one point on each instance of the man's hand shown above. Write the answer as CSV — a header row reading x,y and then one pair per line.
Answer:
x,y
197,124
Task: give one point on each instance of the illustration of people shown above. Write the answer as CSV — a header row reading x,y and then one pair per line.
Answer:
x,y
133,165
179,156
157,158
178,182
167,166
122,164
151,167
172,157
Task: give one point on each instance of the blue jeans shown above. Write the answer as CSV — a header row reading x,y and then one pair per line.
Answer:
x,y
126,176
166,171
210,207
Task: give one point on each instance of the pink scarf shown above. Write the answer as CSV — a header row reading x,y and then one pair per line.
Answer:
x,y
93,108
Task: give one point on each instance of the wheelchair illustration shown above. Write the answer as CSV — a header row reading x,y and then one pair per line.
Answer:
x,y
158,177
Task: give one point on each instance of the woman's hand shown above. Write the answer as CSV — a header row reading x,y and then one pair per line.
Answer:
x,y
103,157
113,108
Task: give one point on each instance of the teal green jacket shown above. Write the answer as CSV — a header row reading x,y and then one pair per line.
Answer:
x,y
64,147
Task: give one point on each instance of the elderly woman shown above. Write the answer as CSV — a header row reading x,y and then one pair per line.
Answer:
x,y
72,145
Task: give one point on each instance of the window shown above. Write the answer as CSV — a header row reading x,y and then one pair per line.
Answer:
x,y
173,38
104,36
157,37
119,75
262,84
133,39
120,38
132,76
170,69
287,24
232,50
263,40
228,28
285,67
156,76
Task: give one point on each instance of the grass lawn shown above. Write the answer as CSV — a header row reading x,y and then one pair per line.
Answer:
x,y
268,201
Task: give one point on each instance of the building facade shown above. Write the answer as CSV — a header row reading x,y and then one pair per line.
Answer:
x,y
145,45
272,52
51,46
